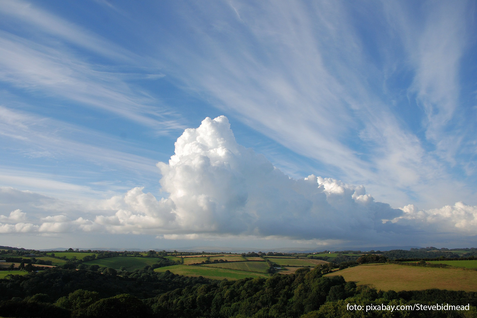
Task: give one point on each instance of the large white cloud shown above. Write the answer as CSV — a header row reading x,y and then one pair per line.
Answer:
x,y
216,186
213,186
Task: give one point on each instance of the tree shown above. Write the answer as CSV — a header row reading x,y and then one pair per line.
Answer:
x,y
121,306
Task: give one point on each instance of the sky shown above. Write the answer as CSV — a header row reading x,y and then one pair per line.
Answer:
x,y
238,124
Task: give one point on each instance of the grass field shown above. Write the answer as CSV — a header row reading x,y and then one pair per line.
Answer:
x,y
70,255
253,259
401,277
53,260
289,270
260,267
297,262
3,274
332,255
460,252
130,263
173,258
209,272
457,263
194,260
230,258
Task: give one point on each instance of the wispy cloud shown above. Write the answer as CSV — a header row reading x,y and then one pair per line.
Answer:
x,y
43,135
44,58
26,14
303,74
435,46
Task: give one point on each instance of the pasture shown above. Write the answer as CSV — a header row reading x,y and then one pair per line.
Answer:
x,y
229,258
253,258
54,261
173,258
259,267
209,272
4,274
402,277
458,263
70,255
194,260
130,263
299,262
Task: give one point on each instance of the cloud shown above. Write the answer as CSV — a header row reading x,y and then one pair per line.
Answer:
x,y
459,218
334,83
213,187
15,216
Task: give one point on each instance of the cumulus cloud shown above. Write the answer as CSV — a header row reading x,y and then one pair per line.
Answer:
x,y
15,216
459,218
213,187
216,186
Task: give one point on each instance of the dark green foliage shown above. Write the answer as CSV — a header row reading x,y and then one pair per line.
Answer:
x,y
12,308
120,306
78,300
371,258
59,282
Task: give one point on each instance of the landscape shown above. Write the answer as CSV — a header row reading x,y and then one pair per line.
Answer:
x,y
238,158
86,283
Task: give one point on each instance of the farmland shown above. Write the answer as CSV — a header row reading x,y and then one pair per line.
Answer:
x,y
297,262
401,277
71,255
130,263
209,272
54,261
458,263
194,260
259,267
4,274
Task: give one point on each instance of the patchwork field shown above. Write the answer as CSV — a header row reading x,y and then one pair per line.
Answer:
x,y
252,258
130,263
457,263
259,267
4,274
194,260
70,255
209,272
173,258
402,277
288,270
229,258
53,260
300,262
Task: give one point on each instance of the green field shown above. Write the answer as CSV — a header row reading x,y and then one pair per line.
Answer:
x,y
259,267
460,252
70,255
194,260
297,261
331,255
130,263
402,277
457,263
230,258
53,260
209,272
3,274
173,258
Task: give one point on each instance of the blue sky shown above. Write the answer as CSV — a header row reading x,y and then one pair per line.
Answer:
x,y
329,124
